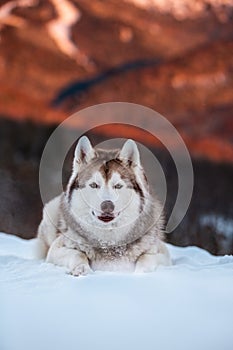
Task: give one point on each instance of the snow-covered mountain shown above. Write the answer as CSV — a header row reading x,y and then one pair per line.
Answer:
x,y
78,40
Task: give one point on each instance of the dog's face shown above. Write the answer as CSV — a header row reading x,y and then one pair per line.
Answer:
x,y
107,188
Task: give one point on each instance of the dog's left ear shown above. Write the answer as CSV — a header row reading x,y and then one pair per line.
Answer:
x,y
130,153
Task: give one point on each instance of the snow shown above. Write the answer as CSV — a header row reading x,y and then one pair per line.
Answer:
x,y
185,306
60,29
182,9
8,7
6,16
219,223
223,228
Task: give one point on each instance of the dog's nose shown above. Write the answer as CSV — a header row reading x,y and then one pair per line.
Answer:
x,y
107,206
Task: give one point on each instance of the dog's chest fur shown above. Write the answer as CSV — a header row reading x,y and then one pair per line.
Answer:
x,y
108,258
114,258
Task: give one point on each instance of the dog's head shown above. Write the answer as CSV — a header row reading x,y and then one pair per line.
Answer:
x,y
107,189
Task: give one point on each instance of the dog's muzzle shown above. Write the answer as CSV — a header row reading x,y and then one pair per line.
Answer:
x,y
107,208
107,214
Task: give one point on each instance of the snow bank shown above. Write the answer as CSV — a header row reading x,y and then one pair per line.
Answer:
x,y
186,306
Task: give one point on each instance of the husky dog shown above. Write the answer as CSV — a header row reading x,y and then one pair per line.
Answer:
x,y
106,219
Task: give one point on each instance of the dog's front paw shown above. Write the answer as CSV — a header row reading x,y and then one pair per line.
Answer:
x,y
81,270
144,268
150,262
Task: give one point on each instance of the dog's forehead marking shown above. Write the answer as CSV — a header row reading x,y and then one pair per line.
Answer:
x,y
125,173
109,167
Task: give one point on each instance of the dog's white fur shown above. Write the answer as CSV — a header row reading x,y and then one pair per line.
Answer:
x,y
72,232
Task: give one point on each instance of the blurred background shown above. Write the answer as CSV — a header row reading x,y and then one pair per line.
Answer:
x,y
174,56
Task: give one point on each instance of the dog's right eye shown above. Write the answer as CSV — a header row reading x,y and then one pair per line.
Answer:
x,y
94,185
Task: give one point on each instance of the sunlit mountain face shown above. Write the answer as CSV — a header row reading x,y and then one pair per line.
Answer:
x,y
172,56
59,56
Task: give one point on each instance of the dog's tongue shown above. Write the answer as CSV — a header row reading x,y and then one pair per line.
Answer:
x,y
106,217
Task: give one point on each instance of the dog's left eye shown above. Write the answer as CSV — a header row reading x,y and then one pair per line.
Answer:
x,y
118,186
94,185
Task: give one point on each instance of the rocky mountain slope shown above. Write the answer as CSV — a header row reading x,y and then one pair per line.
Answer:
x,y
46,45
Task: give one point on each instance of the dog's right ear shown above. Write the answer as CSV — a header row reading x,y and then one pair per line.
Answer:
x,y
83,153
